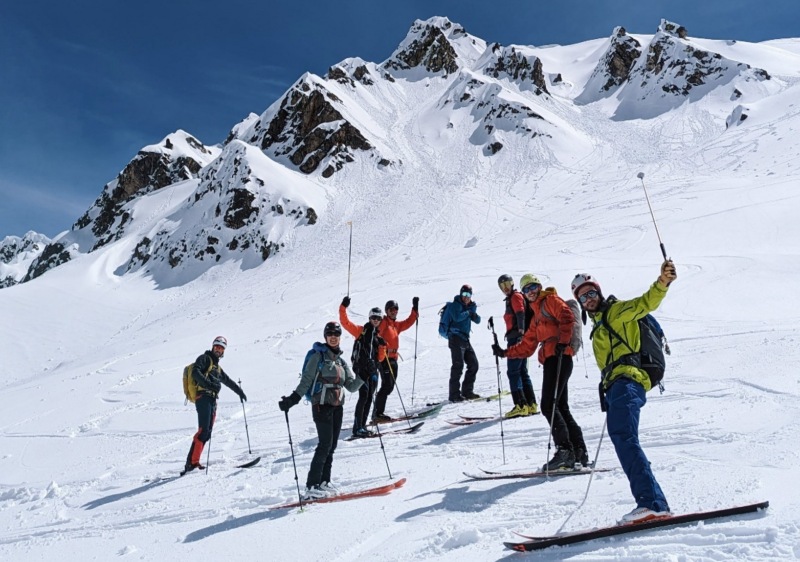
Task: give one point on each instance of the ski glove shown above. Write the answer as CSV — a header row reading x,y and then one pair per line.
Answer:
x,y
242,395
668,273
346,302
561,348
415,304
287,402
498,351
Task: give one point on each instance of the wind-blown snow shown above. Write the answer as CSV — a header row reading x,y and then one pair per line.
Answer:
x,y
93,406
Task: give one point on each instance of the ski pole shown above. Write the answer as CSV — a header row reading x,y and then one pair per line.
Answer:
x,y
499,391
294,465
349,255
380,438
553,415
591,476
247,431
414,379
640,175
400,396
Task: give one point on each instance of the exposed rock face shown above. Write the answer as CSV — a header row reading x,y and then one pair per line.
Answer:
x,y
53,255
308,129
511,63
620,58
148,171
428,48
236,212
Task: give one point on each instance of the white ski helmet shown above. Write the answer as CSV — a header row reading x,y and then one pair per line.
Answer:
x,y
375,313
582,279
220,341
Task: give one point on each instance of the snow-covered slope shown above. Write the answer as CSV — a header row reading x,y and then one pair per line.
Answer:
x,y
93,401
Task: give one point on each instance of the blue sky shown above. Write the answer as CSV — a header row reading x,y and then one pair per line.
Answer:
x,y
85,84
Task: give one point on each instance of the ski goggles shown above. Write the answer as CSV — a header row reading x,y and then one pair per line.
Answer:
x,y
466,294
378,318
588,295
531,287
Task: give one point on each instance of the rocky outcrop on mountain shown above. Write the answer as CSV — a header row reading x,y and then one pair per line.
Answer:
x,y
514,64
16,255
53,255
178,157
614,67
240,210
355,70
308,129
674,70
435,46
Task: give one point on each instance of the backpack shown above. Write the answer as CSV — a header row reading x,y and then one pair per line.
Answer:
x,y
650,357
443,328
364,356
189,386
576,339
320,385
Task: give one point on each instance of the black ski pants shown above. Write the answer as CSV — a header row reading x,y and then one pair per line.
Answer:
x,y
328,420
461,353
388,370
566,432
365,393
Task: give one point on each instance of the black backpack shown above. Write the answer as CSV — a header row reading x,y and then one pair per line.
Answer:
x,y
365,351
650,357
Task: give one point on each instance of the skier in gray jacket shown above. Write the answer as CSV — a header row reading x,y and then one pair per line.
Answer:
x,y
329,375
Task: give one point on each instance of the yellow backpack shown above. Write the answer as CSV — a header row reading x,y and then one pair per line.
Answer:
x,y
189,386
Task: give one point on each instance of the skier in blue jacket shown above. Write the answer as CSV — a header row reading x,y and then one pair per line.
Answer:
x,y
458,316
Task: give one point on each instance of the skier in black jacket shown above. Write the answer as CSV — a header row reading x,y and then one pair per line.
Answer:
x,y
209,378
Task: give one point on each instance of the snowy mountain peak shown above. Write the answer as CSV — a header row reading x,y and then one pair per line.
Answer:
x,y
673,70
16,255
614,67
672,29
434,46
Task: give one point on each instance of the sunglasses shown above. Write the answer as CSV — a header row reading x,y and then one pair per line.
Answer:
x,y
531,287
588,295
466,294
378,318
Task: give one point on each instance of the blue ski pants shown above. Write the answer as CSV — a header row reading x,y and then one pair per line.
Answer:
x,y
624,399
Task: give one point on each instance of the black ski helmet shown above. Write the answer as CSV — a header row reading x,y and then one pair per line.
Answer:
x,y
505,278
466,289
390,305
332,329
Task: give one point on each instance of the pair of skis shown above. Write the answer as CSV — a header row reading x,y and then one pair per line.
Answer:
x,y
510,474
472,420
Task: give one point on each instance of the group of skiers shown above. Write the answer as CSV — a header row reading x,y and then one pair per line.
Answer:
x,y
536,319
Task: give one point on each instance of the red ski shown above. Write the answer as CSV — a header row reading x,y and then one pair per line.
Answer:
x,y
379,491
539,543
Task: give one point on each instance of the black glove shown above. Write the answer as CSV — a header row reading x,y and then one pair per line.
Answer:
x,y
561,348
415,304
242,395
346,302
498,351
380,340
287,402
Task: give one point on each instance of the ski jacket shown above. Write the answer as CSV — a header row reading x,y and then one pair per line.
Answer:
x,y
623,317
370,335
547,329
333,368
210,381
390,330
458,317
514,315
